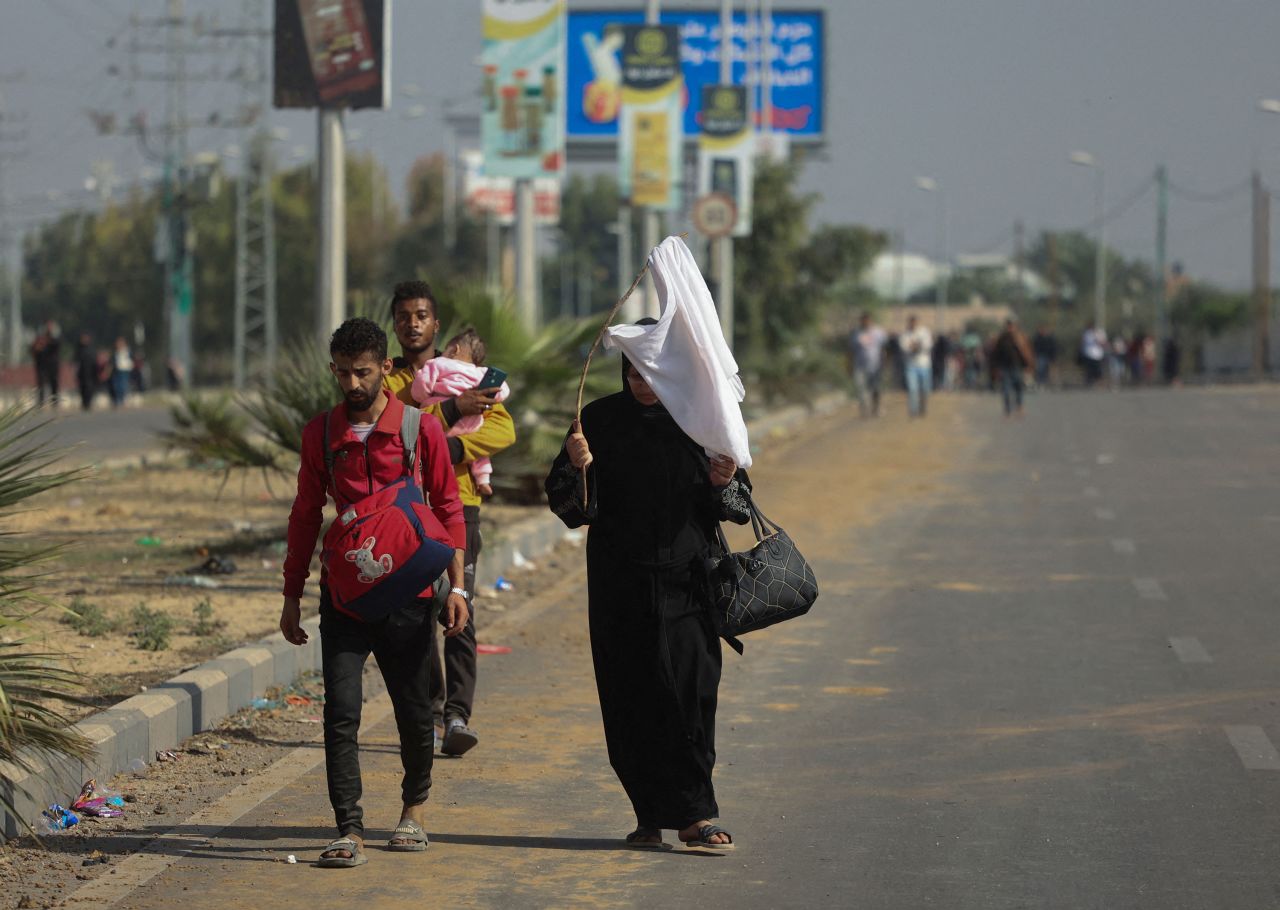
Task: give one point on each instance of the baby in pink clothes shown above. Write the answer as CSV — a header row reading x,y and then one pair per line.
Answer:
x,y
459,368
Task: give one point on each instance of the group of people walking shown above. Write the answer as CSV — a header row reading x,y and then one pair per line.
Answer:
x,y
1004,360
119,370
651,499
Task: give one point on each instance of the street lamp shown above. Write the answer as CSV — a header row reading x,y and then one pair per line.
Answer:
x,y
1085,159
931,185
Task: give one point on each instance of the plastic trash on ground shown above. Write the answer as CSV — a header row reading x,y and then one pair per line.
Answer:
x,y
574,536
56,818
493,649
137,767
192,581
148,541
519,560
95,802
503,585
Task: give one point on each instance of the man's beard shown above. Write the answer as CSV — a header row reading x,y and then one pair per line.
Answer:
x,y
411,351
358,401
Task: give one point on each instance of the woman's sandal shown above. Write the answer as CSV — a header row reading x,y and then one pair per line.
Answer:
x,y
411,837
355,855
703,840
643,838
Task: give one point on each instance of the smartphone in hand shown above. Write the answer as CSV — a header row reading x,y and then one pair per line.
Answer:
x,y
493,378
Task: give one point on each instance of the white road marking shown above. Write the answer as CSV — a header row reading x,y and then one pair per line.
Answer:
x,y
1190,651
1253,747
136,870
1124,545
1150,589
1092,492
1105,514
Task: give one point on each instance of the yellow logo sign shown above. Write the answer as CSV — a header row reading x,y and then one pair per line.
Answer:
x,y
651,42
726,100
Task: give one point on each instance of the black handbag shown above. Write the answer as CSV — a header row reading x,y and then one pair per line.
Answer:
x,y
767,584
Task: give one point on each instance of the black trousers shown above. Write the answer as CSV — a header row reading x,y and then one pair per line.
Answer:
x,y
453,679
401,644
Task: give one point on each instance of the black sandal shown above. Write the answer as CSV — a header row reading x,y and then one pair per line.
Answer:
x,y
703,840
643,839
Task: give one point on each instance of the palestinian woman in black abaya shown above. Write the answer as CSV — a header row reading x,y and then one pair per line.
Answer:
x,y
654,500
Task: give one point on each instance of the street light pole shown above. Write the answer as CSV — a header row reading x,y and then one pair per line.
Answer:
x,y
931,185
1085,159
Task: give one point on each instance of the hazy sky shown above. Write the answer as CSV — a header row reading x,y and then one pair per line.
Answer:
x,y
987,96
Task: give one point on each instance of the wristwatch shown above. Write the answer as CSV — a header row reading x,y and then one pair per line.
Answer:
x,y
462,591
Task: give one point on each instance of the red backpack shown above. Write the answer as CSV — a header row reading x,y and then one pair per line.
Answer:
x,y
377,555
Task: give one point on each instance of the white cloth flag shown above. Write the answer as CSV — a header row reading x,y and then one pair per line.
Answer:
x,y
684,357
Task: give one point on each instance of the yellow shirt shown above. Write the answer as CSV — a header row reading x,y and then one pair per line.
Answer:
x,y
498,432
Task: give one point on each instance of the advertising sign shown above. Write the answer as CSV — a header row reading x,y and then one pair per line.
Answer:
x,y
593,67
497,195
726,150
652,102
332,53
522,106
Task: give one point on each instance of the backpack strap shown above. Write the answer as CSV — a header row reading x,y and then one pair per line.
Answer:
x,y
328,458
410,423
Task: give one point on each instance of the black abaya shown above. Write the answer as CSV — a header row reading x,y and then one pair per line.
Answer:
x,y
652,513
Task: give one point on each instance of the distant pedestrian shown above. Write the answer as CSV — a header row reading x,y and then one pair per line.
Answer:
x,y
1045,348
939,354
46,357
1093,353
917,347
1012,356
1172,366
86,370
866,351
121,371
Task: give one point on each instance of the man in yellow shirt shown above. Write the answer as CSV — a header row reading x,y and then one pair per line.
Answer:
x,y
416,321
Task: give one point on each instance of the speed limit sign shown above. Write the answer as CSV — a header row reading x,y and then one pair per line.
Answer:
x,y
714,215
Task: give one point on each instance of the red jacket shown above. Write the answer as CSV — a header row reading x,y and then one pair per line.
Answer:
x,y
361,468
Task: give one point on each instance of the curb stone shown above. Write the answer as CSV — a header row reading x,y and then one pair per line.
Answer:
x,y
195,700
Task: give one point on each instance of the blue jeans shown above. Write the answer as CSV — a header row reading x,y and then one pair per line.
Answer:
x,y
919,381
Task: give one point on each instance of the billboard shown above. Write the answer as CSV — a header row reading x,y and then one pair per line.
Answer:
x,y
332,53
593,69
522,105
497,195
651,115
727,150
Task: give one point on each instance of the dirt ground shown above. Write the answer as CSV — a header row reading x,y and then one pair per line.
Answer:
x,y
883,468
139,536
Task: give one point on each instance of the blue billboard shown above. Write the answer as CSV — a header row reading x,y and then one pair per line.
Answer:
x,y
594,76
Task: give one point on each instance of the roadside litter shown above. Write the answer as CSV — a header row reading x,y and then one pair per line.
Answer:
x,y
149,541
493,649
519,560
95,802
503,585
214,565
55,819
191,581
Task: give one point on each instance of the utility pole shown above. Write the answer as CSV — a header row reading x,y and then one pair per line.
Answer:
x,y
652,15
10,236
1162,225
1261,274
179,284
526,255
331,265
725,243
1019,258
256,328
1055,295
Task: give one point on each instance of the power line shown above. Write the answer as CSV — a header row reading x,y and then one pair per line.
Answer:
x,y
1187,194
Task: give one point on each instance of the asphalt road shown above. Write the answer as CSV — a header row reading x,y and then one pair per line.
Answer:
x,y
92,437
1042,674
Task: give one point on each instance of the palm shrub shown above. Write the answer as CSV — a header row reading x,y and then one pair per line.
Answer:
x,y
35,689
258,429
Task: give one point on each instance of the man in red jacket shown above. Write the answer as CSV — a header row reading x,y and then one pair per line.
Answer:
x,y
364,434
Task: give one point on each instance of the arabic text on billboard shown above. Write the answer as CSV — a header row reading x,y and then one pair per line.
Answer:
x,y
594,73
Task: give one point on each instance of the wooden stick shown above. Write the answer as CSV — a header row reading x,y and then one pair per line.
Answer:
x,y
582,382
